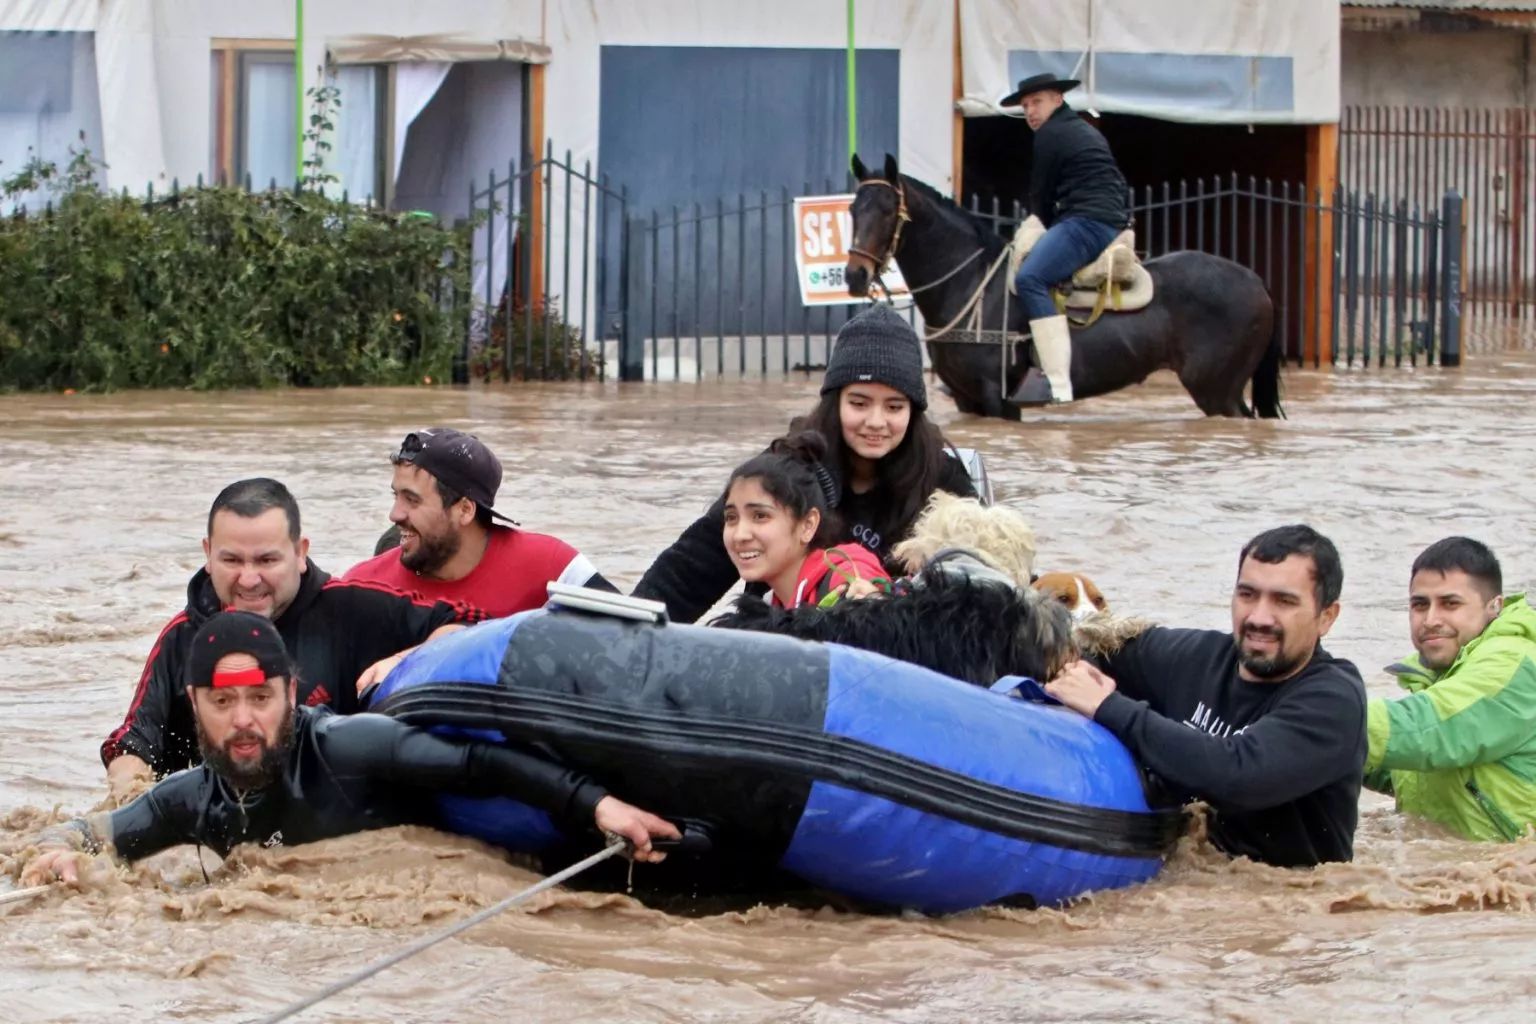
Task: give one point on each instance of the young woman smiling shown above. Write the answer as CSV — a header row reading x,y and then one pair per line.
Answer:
x,y
884,456
778,525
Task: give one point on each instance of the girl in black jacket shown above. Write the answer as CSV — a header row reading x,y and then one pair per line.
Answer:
x,y
883,452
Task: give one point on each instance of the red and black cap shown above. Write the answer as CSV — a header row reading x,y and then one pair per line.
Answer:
x,y
237,633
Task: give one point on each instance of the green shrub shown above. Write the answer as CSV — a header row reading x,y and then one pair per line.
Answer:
x,y
218,288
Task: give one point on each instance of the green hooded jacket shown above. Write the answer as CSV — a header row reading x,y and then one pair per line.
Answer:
x,y
1461,748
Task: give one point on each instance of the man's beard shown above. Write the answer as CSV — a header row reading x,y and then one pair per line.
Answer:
x,y
432,553
266,770
1438,664
1271,666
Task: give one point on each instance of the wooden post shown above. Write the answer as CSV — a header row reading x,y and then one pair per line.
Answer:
x,y
957,158
229,89
1322,179
537,146
1516,130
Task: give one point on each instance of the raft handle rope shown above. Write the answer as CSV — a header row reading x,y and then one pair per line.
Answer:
x,y
973,305
541,716
364,974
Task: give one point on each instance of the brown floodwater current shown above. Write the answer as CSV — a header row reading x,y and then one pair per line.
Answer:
x,y
102,511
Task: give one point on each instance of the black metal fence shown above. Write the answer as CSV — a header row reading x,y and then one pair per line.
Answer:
x,y
1488,156
716,291
549,247
1357,280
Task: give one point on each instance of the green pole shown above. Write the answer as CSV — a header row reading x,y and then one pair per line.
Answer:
x,y
853,99
298,89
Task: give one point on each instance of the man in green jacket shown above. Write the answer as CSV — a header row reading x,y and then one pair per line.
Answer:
x,y
1461,748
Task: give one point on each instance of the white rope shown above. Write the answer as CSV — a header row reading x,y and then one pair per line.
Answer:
x,y
447,933
958,267
973,303
17,895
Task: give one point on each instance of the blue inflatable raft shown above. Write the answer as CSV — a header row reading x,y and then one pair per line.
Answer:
x,y
859,774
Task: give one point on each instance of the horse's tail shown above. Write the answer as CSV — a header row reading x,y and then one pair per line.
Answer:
x,y
1266,379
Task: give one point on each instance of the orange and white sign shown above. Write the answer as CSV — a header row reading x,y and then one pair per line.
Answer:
x,y
823,233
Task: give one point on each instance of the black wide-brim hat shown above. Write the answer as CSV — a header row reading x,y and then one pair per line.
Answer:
x,y
1038,83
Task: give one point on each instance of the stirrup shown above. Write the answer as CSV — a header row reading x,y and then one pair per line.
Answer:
x,y
1034,389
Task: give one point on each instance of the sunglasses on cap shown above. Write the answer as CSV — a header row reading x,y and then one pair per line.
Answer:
x,y
412,446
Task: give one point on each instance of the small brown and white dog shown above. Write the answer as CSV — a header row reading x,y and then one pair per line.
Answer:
x,y
1075,591
1002,538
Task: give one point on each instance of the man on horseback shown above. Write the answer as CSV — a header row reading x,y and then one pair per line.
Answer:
x,y
1078,193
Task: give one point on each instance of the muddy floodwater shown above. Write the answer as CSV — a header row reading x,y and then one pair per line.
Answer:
x,y
102,506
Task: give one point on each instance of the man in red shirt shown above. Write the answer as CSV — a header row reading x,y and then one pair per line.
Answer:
x,y
451,546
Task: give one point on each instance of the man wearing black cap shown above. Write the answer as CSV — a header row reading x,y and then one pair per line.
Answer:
x,y
340,633
452,547
1078,193
277,774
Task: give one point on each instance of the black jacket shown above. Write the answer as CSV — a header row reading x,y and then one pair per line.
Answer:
x,y
1279,763
1074,174
343,775
695,572
334,630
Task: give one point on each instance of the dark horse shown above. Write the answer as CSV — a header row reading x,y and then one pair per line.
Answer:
x,y
1210,321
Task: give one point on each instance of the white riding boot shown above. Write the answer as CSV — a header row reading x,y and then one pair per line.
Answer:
x,y
1052,383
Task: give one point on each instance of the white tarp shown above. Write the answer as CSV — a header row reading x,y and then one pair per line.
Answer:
x,y
49,15
415,85
1202,61
470,128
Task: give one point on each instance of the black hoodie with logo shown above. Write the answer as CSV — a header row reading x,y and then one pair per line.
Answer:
x,y
334,630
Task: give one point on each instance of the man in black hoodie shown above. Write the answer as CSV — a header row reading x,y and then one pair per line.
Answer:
x,y
1261,723
1078,193
338,632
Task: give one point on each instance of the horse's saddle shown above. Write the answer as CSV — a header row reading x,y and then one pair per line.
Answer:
x,y
1114,282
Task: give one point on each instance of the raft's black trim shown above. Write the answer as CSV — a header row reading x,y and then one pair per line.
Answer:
x,y
795,751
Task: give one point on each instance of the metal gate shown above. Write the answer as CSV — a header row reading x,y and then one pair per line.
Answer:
x,y
1488,156
1357,280
549,251
716,292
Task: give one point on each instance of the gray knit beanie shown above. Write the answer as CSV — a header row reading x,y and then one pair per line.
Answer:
x,y
880,347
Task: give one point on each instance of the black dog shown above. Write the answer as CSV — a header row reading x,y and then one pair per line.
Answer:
x,y
958,617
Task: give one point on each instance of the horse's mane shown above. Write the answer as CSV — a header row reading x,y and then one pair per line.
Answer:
x,y
986,232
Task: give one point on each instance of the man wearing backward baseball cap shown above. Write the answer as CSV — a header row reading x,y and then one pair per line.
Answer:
x,y
277,774
454,545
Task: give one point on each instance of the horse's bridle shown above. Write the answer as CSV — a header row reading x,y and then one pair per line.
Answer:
x,y
902,219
